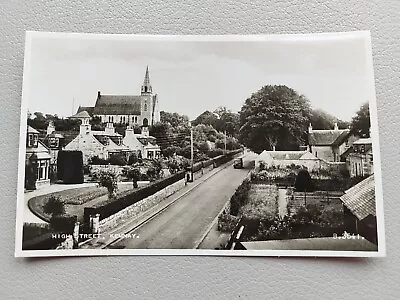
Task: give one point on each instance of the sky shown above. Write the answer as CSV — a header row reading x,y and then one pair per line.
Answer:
x,y
190,76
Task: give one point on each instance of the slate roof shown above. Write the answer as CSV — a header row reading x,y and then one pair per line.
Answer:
x,y
89,109
363,141
360,199
32,130
328,137
117,105
80,115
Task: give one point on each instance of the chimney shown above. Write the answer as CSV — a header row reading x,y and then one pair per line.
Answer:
x,y
98,94
145,131
50,128
310,128
335,127
109,128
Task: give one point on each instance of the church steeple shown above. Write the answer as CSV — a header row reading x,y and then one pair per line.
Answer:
x,y
146,87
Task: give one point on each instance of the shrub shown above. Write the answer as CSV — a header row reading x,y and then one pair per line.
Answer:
x,y
132,197
240,197
54,206
133,159
70,166
118,159
63,223
108,180
227,222
95,160
134,175
303,182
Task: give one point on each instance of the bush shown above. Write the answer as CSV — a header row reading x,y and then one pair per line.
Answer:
x,y
54,206
109,180
118,159
63,223
95,160
240,197
70,166
132,197
303,182
227,222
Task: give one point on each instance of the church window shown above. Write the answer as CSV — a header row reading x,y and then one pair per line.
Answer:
x,y
145,107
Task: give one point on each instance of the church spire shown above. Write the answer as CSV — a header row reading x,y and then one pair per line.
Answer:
x,y
146,87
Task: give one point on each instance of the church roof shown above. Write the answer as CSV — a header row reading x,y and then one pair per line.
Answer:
x,y
117,105
328,137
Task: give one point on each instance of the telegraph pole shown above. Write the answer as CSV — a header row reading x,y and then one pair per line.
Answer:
x,y
225,139
191,150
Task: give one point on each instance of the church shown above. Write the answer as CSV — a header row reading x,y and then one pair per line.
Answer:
x,y
139,110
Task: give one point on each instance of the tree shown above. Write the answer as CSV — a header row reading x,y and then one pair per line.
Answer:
x,y
174,119
322,120
54,206
109,180
274,117
134,175
303,182
361,122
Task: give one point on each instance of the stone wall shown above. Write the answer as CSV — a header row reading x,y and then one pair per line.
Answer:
x,y
141,206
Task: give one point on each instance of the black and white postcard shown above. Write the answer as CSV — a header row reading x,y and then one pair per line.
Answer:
x,y
260,145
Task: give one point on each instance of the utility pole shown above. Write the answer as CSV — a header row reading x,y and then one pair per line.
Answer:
x,y
225,139
191,150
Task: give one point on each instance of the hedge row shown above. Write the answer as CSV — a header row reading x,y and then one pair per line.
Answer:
x,y
130,198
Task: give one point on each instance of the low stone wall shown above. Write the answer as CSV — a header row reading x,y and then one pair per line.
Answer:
x,y
141,206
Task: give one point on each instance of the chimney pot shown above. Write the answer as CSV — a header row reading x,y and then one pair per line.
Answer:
x,y
98,94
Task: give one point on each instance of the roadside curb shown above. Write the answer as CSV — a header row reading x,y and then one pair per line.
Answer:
x,y
197,244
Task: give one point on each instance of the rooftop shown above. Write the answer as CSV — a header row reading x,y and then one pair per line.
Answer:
x,y
328,137
117,105
360,199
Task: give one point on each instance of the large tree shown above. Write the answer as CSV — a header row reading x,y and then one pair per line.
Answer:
x,y
174,119
274,117
361,122
322,120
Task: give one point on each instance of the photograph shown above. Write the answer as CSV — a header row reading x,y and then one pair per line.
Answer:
x,y
227,145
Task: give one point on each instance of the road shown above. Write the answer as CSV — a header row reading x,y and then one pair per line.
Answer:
x,y
183,224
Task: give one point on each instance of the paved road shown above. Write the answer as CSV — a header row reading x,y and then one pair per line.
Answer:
x,y
182,224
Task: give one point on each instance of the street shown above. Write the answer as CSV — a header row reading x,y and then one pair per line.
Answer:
x,y
183,224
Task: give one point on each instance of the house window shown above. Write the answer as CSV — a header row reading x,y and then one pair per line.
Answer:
x,y
30,140
149,154
53,142
42,170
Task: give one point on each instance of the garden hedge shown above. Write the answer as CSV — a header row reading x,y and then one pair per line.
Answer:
x,y
70,166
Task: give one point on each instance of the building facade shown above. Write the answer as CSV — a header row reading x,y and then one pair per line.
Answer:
x,y
142,110
37,161
142,144
329,145
360,160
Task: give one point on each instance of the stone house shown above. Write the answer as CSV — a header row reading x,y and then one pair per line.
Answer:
x,y
329,145
96,143
287,158
37,160
142,144
359,160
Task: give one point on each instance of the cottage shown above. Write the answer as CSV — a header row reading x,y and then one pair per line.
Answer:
x,y
360,158
37,161
287,158
96,143
142,144
360,209
329,144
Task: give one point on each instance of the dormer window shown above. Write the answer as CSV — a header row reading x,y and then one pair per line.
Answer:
x,y
33,140
53,142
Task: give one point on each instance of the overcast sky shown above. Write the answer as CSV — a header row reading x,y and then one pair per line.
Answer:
x,y
193,76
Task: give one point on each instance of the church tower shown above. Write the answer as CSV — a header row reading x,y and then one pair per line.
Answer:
x,y
146,87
